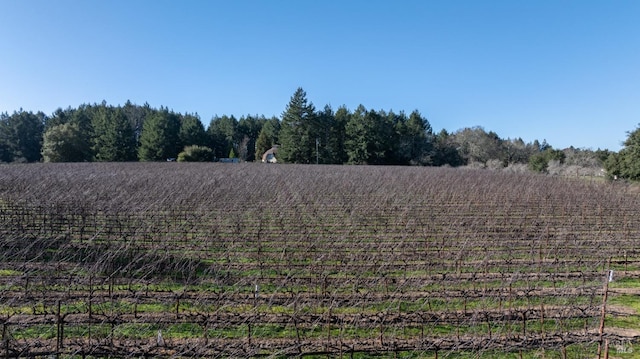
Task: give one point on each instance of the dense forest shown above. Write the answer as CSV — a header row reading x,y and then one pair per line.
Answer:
x,y
303,134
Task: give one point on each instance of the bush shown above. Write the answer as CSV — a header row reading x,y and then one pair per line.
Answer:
x,y
196,154
539,162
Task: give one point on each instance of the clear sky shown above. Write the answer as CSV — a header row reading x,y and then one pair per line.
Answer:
x,y
567,71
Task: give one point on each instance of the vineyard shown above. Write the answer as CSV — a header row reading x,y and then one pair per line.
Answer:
x,y
252,260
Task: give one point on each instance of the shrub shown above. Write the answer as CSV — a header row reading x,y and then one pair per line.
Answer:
x,y
539,162
196,154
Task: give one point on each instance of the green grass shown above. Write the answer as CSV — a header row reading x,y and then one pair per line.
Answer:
x,y
9,272
630,301
625,283
34,332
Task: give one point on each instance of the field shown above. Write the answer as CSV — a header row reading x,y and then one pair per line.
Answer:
x,y
249,260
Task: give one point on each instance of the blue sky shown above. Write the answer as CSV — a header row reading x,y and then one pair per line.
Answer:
x,y
565,71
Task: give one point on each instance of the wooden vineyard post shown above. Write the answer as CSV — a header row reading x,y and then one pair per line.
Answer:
x,y
26,285
205,329
59,329
89,306
382,333
256,293
177,307
5,340
542,319
295,322
90,298
458,324
328,329
603,313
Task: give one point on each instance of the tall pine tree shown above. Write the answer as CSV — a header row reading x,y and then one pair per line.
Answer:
x,y
222,135
114,138
268,136
21,136
299,130
418,135
369,138
247,133
192,131
160,139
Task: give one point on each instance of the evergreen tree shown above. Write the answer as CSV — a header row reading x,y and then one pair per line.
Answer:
x,y
358,131
331,134
369,137
160,139
338,151
247,133
446,151
114,138
136,115
539,162
59,117
6,155
419,134
268,136
21,136
192,131
413,143
263,143
403,146
613,165
298,131
627,163
222,135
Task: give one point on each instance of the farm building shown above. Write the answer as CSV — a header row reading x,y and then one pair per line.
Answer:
x,y
270,155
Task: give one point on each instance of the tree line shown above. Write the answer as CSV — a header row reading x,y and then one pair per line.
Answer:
x,y
303,134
